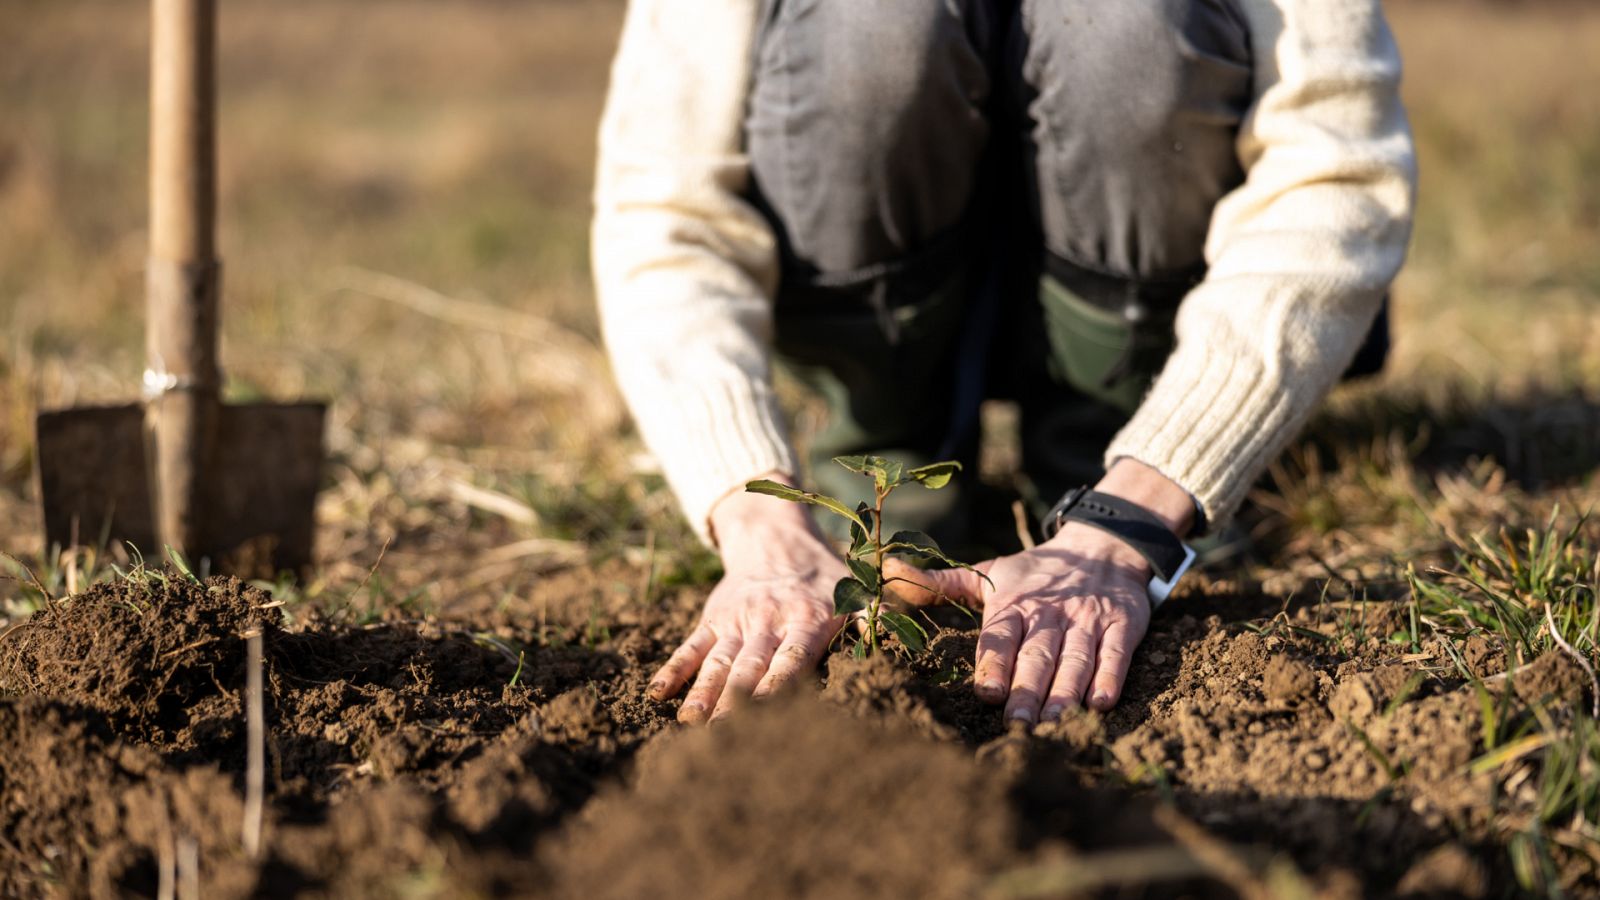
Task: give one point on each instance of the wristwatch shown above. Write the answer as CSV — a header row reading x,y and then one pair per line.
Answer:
x,y
1168,556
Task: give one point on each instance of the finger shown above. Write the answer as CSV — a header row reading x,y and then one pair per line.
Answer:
x,y
1073,670
684,660
1036,666
924,587
1116,652
997,653
707,688
748,669
801,650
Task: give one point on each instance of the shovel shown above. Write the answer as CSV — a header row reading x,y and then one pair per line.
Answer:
x,y
233,484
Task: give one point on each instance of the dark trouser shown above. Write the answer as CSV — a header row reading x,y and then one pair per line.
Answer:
x,y
980,198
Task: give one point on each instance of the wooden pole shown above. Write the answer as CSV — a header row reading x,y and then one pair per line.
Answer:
x,y
184,274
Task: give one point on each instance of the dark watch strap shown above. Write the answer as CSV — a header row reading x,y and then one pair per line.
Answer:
x,y
1129,521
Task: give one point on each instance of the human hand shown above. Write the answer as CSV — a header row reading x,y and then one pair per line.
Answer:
x,y
769,621
1060,621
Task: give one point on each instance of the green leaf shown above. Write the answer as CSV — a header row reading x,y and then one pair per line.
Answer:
x,y
886,473
851,596
907,629
795,495
861,537
914,540
859,464
934,475
890,475
860,650
915,543
866,573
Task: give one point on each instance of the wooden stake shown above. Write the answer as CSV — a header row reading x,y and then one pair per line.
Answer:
x,y
188,868
256,759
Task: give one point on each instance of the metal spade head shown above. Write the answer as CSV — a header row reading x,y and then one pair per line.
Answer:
x,y
258,489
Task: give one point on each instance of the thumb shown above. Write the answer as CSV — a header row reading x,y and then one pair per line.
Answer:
x,y
925,587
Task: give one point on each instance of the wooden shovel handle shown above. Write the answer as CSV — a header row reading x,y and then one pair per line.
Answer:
x,y
184,274
183,147
183,285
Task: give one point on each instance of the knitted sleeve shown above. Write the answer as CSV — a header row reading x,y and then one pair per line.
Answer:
x,y
1300,255
684,268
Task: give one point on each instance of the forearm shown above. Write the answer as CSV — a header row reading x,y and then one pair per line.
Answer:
x,y
684,266
1300,256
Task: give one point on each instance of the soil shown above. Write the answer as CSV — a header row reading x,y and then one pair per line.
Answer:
x,y
512,752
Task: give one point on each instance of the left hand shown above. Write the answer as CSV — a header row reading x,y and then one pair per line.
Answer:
x,y
1059,624
1060,621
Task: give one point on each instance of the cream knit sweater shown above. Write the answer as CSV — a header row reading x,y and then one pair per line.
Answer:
x,y
1300,255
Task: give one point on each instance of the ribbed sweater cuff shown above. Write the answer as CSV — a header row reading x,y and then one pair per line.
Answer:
x,y
712,438
1211,424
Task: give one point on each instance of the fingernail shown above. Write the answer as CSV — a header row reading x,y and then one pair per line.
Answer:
x,y
992,689
1102,700
657,689
1051,713
1022,715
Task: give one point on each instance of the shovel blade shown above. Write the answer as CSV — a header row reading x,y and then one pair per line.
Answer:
x,y
260,489
93,481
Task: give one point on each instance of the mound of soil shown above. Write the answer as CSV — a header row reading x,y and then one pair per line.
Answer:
x,y
147,653
797,800
434,759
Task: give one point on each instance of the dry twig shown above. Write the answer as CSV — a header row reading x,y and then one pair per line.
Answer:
x,y
1019,513
188,868
256,760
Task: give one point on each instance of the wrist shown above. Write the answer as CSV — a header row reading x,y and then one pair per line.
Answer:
x,y
1088,542
743,521
1146,487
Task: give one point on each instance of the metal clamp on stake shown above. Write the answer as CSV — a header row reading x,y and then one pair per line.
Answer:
x,y
156,384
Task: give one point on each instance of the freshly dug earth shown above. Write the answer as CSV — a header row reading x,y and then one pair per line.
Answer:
x,y
513,752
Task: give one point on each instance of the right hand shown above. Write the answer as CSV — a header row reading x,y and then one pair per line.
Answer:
x,y
769,621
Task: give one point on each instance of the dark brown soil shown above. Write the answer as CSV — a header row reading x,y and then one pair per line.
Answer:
x,y
435,759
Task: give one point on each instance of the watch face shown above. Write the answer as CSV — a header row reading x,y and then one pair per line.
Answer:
x,y
1161,590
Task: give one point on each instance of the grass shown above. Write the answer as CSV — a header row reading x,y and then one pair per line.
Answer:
x,y
1529,593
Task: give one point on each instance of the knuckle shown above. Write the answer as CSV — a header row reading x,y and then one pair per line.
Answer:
x,y
719,661
1076,658
1036,655
1113,653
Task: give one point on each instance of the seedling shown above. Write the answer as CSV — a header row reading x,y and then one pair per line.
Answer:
x,y
860,594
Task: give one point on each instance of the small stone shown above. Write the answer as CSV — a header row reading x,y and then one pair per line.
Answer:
x,y
1157,658
1316,762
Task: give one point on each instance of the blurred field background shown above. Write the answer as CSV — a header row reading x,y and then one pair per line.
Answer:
x,y
404,199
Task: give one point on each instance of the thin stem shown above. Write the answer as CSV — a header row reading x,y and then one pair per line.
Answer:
x,y
877,549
